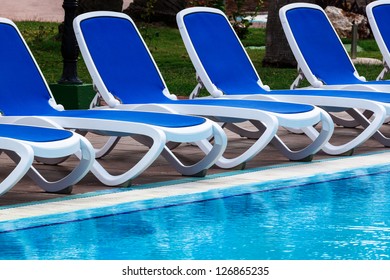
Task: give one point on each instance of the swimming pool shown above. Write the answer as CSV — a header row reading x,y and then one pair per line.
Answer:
x,y
343,215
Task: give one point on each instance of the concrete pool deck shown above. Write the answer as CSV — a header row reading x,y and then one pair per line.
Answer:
x,y
270,161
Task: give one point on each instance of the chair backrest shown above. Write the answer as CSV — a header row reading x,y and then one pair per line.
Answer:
x,y
378,16
118,59
23,89
219,57
316,46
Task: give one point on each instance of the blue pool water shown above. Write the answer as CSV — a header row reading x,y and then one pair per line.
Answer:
x,y
338,219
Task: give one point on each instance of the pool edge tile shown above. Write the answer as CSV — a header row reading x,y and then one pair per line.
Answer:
x,y
173,190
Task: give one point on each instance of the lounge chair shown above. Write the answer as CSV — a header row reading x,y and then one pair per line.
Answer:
x,y
321,56
23,142
377,14
122,68
225,70
25,95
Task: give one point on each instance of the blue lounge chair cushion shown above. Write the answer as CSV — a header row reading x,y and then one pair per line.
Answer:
x,y
143,86
239,79
367,95
157,119
32,133
381,13
269,106
322,48
149,88
309,25
33,89
234,73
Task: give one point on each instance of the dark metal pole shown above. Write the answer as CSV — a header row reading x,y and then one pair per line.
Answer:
x,y
69,48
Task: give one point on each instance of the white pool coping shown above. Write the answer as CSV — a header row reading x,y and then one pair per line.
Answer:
x,y
170,189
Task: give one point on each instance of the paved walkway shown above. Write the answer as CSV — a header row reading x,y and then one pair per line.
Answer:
x,y
36,10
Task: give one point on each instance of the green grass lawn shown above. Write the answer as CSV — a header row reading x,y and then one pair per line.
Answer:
x,y
170,55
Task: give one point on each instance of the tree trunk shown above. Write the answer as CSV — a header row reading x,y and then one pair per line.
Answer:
x,y
278,52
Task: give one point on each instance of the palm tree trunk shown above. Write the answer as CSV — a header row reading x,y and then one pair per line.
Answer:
x,y
278,52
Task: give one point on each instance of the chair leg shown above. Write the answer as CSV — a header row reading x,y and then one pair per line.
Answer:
x,y
156,146
319,138
268,128
211,153
107,147
350,123
243,132
366,123
371,128
63,185
23,155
